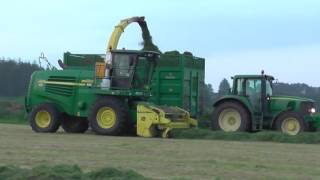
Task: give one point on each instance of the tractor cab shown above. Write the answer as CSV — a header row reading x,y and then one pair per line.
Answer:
x,y
257,88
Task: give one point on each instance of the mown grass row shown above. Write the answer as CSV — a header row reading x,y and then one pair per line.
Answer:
x,y
269,136
66,172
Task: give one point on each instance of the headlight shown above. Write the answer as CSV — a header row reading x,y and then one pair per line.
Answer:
x,y
312,110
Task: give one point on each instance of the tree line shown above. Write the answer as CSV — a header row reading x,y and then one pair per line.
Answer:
x,y
15,76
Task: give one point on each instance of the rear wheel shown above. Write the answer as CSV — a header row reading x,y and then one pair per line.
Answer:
x,y
71,124
291,123
230,117
45,118
109,116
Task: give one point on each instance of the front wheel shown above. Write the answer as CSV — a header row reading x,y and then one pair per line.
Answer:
x,y
45,118
291,123
230,117
109,116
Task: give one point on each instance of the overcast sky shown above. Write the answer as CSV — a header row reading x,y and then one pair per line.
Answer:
x,y
234,36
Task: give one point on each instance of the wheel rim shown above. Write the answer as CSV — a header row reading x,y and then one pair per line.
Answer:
x,y
106,117
291,126
229,120
43,119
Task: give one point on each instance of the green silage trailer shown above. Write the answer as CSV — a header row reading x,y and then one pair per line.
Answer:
x,y
178,80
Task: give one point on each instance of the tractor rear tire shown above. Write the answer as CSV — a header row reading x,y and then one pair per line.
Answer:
x,y
109,116
291,123
45,118
230,116
71,124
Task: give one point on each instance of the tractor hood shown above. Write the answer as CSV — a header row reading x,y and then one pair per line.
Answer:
x,y
290,98
298,104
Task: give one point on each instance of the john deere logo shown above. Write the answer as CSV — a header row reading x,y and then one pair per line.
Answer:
x,y
170,76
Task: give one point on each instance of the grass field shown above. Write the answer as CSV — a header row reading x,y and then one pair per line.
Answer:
x,y
160,158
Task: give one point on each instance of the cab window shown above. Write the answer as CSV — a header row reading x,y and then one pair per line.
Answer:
x,y
239,86
268,88
253,87
122,65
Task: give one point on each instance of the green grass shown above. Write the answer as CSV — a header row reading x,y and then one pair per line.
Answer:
x,y
269,136
159,158
66,172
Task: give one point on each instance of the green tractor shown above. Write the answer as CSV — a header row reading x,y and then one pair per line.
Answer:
x,y
108,93
251,106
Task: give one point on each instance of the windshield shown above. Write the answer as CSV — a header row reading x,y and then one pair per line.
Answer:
x,y
268,88
253,87
122,65
131,70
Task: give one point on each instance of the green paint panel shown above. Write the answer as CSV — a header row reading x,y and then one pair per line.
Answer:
x,y
82,60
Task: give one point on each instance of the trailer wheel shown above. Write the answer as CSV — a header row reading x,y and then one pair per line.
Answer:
x,y
230,117
72,124
45,118
291,123
109,116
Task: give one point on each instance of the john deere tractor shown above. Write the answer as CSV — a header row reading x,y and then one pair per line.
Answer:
x,y
251,106
108,93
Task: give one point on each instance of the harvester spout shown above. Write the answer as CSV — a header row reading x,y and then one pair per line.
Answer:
x,y
119,29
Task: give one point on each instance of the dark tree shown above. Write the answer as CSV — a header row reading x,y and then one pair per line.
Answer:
x,y
224,87
15,76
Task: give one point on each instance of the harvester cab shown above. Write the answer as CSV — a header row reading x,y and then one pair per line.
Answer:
x,y
131,69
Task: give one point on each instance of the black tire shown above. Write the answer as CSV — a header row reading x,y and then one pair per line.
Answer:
x,y
121,116
244,116
71,124
52,125
304,126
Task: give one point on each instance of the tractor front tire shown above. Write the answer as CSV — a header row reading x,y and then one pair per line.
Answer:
x,y
71,124
291,123
230,116
109,116
45,118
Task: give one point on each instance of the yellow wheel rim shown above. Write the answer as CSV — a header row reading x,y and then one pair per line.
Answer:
x,y
229,120
43,119
106,117
290,126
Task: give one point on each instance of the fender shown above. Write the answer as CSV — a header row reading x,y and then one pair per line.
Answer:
x,y
274,119
242,100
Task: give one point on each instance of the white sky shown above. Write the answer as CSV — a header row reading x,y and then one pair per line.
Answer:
x,y
235,36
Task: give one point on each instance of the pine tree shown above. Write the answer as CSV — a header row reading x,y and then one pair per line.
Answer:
x,y
224,87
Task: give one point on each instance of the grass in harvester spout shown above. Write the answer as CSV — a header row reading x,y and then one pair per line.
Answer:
x,y
147,39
